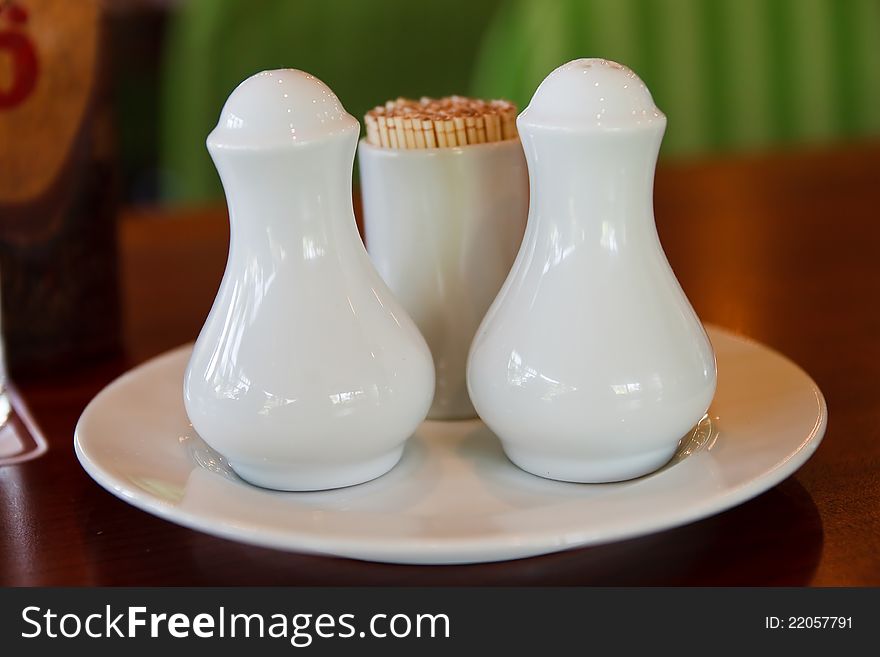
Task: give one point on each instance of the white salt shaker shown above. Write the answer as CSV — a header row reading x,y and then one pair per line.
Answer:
x,y
591,365
307,374
443,226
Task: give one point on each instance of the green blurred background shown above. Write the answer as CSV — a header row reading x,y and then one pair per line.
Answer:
x,y
733,76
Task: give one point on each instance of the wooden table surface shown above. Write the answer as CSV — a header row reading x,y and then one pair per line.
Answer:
x,y
784,249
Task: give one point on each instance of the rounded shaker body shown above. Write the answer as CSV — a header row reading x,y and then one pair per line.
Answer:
x,y
591,364
307,374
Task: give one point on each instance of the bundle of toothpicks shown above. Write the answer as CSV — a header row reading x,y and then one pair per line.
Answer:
x,y
440,122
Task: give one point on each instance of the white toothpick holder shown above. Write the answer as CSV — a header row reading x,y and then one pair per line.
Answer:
x,y
443,226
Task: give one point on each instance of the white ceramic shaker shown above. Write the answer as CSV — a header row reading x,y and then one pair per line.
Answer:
x,y
307,374
591,365
443,226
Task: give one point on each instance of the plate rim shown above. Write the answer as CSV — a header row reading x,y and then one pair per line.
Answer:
x,y
455,550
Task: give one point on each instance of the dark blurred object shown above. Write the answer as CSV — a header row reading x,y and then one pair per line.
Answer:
x,y
60,301
136,32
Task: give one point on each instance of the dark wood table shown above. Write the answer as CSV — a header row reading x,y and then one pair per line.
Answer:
x,y
784,249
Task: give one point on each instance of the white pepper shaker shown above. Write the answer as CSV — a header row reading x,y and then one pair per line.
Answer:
x,y
591,365
307,374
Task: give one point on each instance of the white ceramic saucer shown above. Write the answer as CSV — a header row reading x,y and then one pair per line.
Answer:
x,y
454,497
